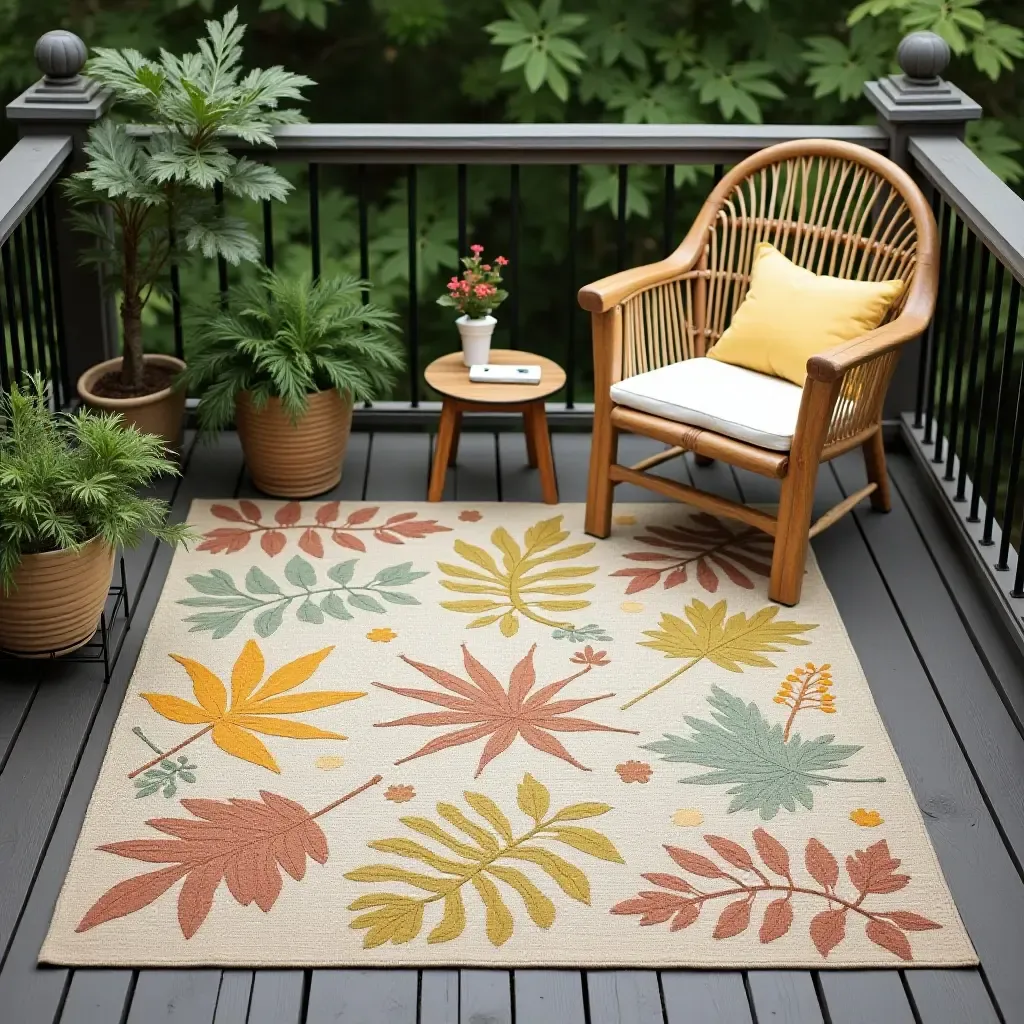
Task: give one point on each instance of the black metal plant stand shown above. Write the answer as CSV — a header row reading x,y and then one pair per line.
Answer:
x,y
107,641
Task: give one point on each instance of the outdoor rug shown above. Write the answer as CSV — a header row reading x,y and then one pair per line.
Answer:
x,y
411,734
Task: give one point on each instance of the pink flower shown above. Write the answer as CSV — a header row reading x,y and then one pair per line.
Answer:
x,y
501,261
464,286
481,291
486,266
453,285
477,249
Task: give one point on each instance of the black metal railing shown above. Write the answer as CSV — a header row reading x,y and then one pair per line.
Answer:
x,y
31,318
514,163
968,422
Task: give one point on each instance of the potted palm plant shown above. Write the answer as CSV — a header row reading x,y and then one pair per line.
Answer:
x,y
68,499
149,192
286,363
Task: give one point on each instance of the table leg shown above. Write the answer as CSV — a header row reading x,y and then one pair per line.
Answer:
x,y
447,432
531,443
537,437
457,433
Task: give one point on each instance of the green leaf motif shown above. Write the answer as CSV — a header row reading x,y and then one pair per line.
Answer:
x,y
745,751
226,607
482,861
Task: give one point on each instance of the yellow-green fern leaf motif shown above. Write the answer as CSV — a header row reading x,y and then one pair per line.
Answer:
x,y
531,580
481,853
729,641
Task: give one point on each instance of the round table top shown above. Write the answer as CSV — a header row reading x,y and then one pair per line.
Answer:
x,y
450,377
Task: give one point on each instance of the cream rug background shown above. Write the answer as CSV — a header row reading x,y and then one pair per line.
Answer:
x,y
533,797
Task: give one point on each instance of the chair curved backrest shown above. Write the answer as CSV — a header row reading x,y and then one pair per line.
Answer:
x,y
832,207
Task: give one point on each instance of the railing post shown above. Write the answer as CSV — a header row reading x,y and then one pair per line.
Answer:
x,y
64,102
917,102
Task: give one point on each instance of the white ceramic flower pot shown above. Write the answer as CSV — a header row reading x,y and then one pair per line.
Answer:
x,y
476,339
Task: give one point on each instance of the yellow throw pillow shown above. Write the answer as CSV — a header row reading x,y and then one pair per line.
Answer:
x,y
790,314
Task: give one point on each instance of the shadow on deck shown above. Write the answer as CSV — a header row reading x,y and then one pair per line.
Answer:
x,y
947,681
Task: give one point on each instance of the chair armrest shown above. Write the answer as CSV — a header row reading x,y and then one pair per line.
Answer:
x,y
600,296
833,364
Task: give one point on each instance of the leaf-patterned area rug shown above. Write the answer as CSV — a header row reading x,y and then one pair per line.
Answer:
x,y
412,734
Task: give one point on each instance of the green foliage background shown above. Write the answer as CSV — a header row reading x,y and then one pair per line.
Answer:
x,y
796,61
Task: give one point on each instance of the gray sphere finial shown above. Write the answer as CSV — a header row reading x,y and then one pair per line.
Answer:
x,y
60,54
923,56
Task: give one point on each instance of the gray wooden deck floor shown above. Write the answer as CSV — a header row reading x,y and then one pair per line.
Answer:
x,y
948,684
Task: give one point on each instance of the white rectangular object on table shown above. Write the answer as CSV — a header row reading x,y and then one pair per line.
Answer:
x,y
492,373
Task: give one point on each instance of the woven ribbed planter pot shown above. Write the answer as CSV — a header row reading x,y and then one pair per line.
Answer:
x,y
161,413
57,600
295,460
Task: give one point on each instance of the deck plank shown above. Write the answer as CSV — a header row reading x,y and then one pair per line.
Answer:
x,y
362,997
233,997
549,997
399,467
518,481
29,994
439,997
717,996
174,997
485,997
278,997
475,475
865,997
624,997
96,997
784,997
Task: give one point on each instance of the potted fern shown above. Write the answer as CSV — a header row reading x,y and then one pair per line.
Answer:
x,y
148,194
286,363
68,500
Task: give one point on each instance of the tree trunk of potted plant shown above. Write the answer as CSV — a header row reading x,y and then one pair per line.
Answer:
x,y
300,459
138,386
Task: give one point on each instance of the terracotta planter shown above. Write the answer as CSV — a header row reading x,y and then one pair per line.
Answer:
x,y
295,460
161,413
57,600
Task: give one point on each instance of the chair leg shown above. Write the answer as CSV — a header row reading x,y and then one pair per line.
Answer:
x,y
791,538
603,452
874,461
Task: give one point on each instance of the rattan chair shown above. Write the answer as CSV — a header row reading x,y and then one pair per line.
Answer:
x,y
832,207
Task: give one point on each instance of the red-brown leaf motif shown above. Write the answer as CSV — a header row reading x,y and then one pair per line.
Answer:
x,y
828,929
733,920
694,863
778,917
311,544
889,937
273,542
821,865
227,512
348,540
871,870
730,851
772,852
288,514
245,843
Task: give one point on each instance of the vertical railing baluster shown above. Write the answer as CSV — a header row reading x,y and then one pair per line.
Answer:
x,y
513,254
970,412
268,234
414,313
364,229
570,354
38,333
958,366
179,339
719,172
222,264
622,210
12,310
53,359
5,365
935,326
987,381
58,300
925,342
947,340
1005,371
314,218
668,229
23,301
1017,445
462,187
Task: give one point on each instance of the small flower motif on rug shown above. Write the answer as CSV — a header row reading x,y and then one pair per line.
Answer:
x,y
289,521
634,771
871,873
478,858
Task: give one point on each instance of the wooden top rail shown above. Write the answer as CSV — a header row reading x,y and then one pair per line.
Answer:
x,y
25,173
990,208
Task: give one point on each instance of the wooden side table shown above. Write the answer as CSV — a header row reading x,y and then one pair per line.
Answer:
x,y
450,378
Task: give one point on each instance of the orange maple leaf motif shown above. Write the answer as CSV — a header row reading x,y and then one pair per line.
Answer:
x,y
483,707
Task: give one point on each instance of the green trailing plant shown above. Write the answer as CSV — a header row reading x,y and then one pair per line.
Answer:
x,y
66,479
149,193
287,338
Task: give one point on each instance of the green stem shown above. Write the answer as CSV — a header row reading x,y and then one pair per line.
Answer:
x,y
829,778
145,739
664,682
173,750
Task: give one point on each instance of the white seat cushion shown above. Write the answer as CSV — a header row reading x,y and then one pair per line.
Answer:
x,y
730,400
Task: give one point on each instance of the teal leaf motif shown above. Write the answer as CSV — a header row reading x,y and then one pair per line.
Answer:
x,y
748,753
225,606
